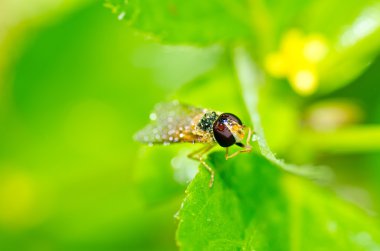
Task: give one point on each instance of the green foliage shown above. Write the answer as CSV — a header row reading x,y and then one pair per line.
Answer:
x,y
256,206
255,203
352,39
76,83
200,22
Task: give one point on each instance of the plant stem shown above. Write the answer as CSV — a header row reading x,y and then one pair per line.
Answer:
x,y
362,138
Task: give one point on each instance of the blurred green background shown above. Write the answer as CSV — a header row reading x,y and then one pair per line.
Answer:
x,y
76,83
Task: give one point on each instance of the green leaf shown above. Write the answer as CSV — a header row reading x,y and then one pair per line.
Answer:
x,y
254,205
355,44
350,43
199,22
258,203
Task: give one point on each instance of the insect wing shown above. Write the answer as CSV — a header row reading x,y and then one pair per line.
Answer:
x,y
170,123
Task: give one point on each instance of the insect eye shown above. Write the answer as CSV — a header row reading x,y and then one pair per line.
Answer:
x,y
220,127
222,134
230,116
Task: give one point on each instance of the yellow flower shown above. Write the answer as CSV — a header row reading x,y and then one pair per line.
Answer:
x,y
297,60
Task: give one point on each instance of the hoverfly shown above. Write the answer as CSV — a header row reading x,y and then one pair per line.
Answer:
x,y
174,122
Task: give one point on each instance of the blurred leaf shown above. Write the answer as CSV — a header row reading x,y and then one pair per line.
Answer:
x,y
154,174
72,108
196,22
355,44
332,52
325,56
253,205
216,89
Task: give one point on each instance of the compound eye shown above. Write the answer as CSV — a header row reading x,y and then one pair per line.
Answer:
x,y
222,134
220,127
231,116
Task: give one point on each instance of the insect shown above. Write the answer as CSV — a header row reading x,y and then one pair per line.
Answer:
x,y
174,122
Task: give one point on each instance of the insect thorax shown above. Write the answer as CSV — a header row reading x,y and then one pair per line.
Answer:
x,y
207,121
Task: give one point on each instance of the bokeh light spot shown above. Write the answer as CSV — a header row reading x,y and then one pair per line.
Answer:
x,y
17,199
315,49
304,82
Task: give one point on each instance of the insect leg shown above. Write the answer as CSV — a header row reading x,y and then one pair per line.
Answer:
x,y
200,151
247,147
209,169
198,156
249,137
226,155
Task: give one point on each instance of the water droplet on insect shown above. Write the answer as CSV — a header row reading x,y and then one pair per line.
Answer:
x,y
153,116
